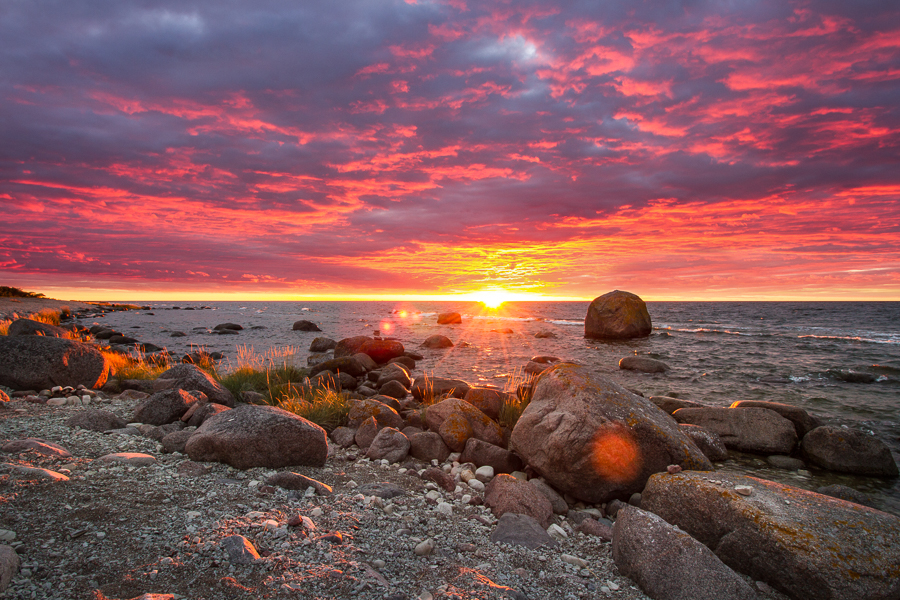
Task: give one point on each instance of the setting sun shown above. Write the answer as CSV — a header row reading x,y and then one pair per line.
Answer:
x,y
493,298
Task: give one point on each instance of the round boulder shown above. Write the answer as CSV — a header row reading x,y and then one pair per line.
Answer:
x,y
436,341
166,406
643,364
189,377
450,318
848,451
31,327
322,344
595,440
381,351
305,326
617,316
36,362
259,436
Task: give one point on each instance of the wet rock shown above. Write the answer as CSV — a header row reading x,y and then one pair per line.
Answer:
x,y
521,530
259,436
229,326
785,462
709,443
643,364
305,326
594,440
617,315
394,372
844,492
848,451
802,420
166,406
506,494
668,563
36,362
670,405
350,346
436,342
322,344
380,350
95,419
189,377
449,318
757,430
803,544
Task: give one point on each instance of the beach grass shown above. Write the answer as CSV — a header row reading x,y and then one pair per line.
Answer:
x,y
265,373
326,408
140,366
519,390
48,316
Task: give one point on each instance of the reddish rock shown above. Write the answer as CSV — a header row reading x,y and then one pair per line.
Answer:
x,y
617,315
481,453
483,428
381,351
427,446
363,409
506,494
487,400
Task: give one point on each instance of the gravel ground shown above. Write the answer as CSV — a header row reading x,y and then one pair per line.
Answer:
x,y
117,531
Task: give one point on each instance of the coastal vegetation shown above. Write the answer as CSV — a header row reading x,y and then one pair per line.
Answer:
x,y
14,292
49,316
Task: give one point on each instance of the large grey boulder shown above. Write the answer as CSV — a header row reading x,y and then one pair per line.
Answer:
x,y
166,406
757,430
617,315
190,377
259,436
32,327
803,544
36,362
802,420
595,440
709,443
848,451
668,564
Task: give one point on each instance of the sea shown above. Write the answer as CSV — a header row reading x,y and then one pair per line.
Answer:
x,y
838,360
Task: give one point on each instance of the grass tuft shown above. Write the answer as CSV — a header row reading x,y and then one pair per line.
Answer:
x,y
270,374
125,366
519,387
326,408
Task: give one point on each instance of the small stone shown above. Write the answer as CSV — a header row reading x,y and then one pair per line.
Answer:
x,y
484,474
557,532
672,469
743,490
574,560
425,548
476,485
445,508
378,563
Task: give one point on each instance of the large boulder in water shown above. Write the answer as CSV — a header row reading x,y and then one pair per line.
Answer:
x,y
595,440
804,544
350,346
259,436
36,362
751,429
802,420
31,327
617,316
848,451
190,377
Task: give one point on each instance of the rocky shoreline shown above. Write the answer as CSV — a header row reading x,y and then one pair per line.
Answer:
x,y
174,487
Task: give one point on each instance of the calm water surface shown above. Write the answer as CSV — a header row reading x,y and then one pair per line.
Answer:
x,y
798,353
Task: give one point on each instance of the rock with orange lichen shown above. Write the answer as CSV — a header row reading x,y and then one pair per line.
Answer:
x,y
386,416
804,544
482,426
617,315
487,400
455,430
595,440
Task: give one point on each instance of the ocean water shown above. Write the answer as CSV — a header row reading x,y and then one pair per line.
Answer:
x,y
838,360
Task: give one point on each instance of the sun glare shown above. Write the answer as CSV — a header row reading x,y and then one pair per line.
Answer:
x,y
492,298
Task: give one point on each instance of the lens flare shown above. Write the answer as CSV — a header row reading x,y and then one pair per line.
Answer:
x,y
615,455
492,298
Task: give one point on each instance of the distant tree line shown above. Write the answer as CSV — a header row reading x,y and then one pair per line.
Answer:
x,y
14,292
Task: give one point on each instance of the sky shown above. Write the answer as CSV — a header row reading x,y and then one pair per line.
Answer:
x,y
555,149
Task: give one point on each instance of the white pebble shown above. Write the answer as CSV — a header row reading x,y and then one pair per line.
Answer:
x,y
743,490
445,508
476,485
557,532
316,512
484,474
574,560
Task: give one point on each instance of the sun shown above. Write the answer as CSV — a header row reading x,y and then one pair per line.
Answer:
x,y
492,298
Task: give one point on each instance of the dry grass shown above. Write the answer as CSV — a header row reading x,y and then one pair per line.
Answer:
x,y
267,373
518,399
126,366
47,316
326,408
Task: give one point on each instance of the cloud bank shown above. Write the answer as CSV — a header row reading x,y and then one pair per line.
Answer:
x,y
675,149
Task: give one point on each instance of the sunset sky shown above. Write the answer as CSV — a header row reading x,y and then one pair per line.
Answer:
x,y
282,149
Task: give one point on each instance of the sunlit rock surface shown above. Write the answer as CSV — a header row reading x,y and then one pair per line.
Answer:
x,y
804,544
